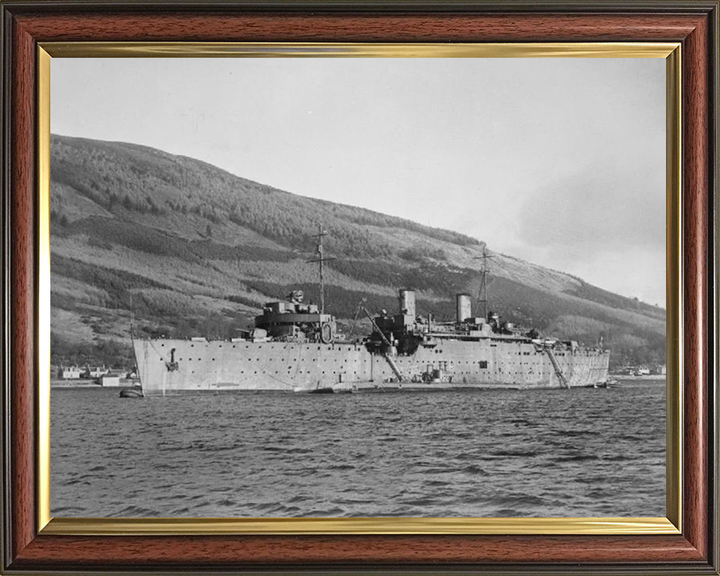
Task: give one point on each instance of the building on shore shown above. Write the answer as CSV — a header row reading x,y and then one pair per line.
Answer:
x,y
95,371
109,381
69,372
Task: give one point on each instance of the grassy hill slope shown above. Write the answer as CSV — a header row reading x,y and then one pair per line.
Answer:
x,y
194,250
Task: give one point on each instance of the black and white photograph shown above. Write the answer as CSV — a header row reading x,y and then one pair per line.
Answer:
x,y
358,287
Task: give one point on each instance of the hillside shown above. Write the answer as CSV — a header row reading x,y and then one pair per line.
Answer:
x,y
194,250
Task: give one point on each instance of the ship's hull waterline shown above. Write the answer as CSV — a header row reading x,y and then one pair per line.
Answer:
x,y
168,367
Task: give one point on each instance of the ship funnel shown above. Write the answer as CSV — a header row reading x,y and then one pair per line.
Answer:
x,y
464,307
407,302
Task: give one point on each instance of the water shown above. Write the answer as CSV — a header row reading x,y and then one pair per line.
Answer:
x,y
582,452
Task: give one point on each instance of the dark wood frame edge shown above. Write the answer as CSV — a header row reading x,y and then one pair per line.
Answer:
x,y
24,551
375,6
5,58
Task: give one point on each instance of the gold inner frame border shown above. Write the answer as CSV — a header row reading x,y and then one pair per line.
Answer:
x,y
671,524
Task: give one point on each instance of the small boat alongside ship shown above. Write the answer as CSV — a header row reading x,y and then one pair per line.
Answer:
x,y
295,347
134,392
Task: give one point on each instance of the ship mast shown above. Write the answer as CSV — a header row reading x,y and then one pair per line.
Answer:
x,y
132,318
482,299
321,259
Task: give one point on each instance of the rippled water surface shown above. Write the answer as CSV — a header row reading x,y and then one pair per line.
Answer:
x,y
486,453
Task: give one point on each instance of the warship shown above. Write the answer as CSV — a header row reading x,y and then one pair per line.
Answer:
x,y
295,347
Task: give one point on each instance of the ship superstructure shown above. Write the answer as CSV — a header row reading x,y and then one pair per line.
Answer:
x,y
295,347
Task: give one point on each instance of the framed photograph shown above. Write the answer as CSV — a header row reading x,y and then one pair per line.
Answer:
x,y
359,287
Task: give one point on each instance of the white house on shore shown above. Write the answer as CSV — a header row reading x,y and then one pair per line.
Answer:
x,y
70,372
96,371
109,381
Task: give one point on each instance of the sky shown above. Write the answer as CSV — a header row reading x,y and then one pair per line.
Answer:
x,y
558,161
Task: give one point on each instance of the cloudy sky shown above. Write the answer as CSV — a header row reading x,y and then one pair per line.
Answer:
x,y
560,162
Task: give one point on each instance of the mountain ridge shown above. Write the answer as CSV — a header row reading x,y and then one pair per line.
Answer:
x,y
194,250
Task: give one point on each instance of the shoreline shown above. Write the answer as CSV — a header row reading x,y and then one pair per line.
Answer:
x,y
87,383
644,377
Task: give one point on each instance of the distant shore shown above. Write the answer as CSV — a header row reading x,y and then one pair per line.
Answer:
x,y
630,379
89,383
647,377
81,383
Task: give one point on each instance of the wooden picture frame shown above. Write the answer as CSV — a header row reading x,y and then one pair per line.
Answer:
x,y
29,546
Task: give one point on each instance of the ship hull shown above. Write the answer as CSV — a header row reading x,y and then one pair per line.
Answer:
x,y
168,367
